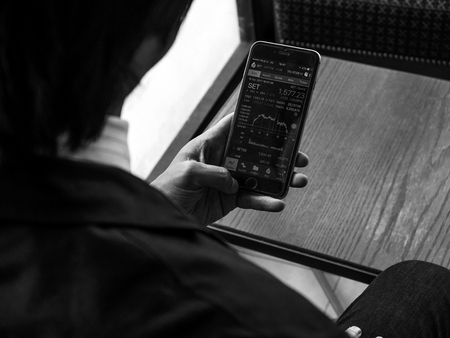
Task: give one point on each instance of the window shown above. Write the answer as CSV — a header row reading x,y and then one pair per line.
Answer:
x,y
159,107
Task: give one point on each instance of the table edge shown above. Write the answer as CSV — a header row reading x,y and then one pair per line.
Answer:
x,y
295,254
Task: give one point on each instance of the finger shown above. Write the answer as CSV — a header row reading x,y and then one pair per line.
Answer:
x,y
220,128
302,160
299,180
257,202
211,176
354,332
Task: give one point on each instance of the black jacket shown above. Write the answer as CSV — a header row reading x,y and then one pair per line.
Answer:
x,y
92,251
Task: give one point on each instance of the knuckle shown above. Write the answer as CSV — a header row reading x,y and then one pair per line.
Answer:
x,y
190,168
223,173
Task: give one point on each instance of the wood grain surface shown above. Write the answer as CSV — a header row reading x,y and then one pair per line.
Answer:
x,y
379,185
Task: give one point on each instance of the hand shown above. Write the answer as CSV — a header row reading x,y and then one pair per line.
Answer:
x,y
355,332
195,181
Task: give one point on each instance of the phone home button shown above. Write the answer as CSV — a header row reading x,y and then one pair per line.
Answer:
x,y
251,183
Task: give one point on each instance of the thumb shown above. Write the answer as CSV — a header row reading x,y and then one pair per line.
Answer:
x,y
354,332
211,176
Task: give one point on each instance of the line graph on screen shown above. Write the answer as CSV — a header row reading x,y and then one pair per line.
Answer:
x,y
270,124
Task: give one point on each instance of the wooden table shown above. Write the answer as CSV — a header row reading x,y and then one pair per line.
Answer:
x,y
379,185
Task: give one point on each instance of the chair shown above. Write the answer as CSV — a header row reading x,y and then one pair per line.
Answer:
x,y
407,35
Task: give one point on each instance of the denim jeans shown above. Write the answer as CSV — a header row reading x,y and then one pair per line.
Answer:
x,y
409,299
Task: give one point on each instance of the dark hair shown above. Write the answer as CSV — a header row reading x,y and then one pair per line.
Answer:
x,y
64,63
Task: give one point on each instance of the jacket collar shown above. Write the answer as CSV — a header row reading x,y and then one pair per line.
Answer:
x,y
58,191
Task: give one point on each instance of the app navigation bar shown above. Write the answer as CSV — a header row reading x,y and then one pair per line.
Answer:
x,y
277,77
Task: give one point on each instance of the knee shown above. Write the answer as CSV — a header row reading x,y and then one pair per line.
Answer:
x,y
415,266
419,272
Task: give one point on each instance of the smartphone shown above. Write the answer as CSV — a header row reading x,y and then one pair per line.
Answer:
x,y
269,117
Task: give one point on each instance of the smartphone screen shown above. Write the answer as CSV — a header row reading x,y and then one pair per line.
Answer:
x,y
269,117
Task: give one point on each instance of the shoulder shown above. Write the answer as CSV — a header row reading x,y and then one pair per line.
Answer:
x,y
140,281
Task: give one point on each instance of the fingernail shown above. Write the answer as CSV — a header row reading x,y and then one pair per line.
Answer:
x,y
356,330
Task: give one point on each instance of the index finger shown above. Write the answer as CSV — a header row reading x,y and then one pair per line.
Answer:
x,y
220,128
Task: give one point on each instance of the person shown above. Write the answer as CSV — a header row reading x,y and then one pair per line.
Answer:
x,y
87,249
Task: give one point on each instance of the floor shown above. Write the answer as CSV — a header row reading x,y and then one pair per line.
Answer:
x,y
179,80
